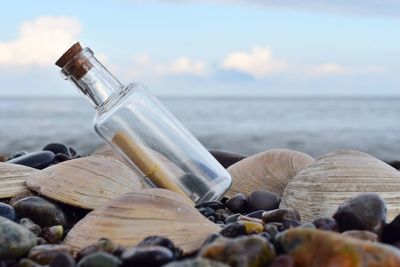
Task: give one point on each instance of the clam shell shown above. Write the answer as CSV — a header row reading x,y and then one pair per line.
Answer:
x,y
87,182
13,178
270,170
320,188
130,218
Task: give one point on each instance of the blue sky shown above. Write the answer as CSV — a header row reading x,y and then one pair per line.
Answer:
x,y
241,48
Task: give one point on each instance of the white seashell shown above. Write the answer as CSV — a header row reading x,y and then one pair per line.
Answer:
x,y
319,189
270,170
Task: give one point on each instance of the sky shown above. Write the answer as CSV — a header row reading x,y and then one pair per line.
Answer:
x,y
208,48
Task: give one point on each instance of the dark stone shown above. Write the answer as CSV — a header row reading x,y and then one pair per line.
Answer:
x,y
237,204
41,211
72,152
280,215
27,263
60,158
221,214
31,226
255,214
103,245
17,155
53,234
7,211
211,218
226,158
99,259
160,241
63,260
263,200
328,224
283,261
365,211
45,254
395,164
391,231
196,262
215,205
233,230
206,211
232,218
38,160
272,229
152,256
211,239
15,240
57,148
287,224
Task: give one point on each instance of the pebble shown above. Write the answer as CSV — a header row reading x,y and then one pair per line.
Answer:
x,y
211,239
206,211
287,224
272,229
15,240
246,251
160,241
263,200
61,158
40,210
63,260
252,227
328,224
226,158
7,211
197,262
57,148
103,245
151,256
45,254
362,235
237,204
99,259
391,231
232,218
222,214
365,211
20,195
215,205
17,155
316,248
255,214
31,226
283,261
233,230
28,263
280,215
53,234
38,160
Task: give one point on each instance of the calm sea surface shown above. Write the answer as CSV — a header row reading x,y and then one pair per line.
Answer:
x,y
246,125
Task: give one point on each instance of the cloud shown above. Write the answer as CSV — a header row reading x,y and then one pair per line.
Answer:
x,y
259,63
143,65
40,42
389,8
327,69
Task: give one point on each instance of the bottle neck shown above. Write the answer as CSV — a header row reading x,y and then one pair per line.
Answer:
x,y
91,77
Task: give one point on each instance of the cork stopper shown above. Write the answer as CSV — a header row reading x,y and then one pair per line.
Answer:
x,y
72,65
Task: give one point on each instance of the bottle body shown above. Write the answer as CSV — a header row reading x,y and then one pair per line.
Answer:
x,y
141,129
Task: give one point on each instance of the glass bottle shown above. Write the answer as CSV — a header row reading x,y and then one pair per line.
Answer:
x,y
144,132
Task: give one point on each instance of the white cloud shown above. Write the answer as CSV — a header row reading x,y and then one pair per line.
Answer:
x,y
259,63
40,42
144,66
337,69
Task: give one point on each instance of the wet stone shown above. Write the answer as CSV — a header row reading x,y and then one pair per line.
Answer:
x,y
160,241
221,214
152,256
7,211
17,155
99,259
232,218
45,254
31,226
206,211
215,205
328,224
63,260
246,251
391,231
53,234
362,235
272,229
28,263
233,230
103,245
57,148
60,158
283,261
197,262
226,158
288,224
263,200
366,211
237,204
15,240
280,215
40,210
255,214
38,160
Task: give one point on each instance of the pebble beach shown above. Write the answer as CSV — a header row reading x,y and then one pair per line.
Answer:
x,y
259,222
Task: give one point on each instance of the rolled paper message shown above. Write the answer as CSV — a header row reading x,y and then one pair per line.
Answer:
x,y
148,164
